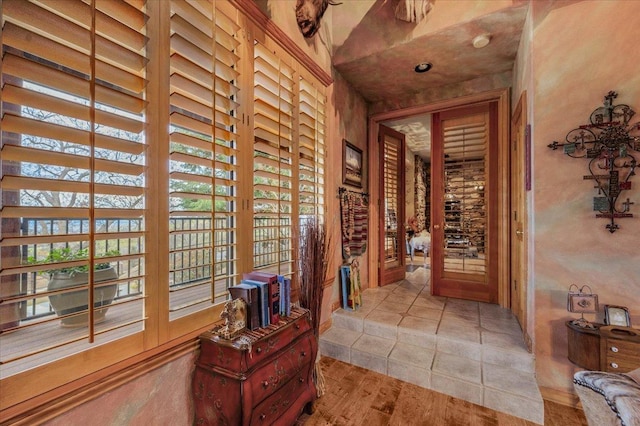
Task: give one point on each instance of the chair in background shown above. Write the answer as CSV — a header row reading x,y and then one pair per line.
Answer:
x,y
609,398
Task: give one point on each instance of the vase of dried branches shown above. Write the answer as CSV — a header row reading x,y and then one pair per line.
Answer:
x,y
315,245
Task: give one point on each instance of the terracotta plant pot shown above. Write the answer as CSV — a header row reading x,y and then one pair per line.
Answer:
x,y
76,301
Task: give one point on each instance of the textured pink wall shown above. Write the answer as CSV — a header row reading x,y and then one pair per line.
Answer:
x,y
347,120
161,397
580,51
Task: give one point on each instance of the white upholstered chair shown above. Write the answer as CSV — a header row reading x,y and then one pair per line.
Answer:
x,y
609,398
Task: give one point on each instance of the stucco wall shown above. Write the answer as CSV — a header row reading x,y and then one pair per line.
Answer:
x,y
161,397
580,51
523,82
347,120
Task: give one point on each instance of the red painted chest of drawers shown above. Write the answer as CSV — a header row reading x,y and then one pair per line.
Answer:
x,y
262,377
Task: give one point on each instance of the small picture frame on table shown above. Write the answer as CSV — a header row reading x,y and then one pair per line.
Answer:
x,y
617,315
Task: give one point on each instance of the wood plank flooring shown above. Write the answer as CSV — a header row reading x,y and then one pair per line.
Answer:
x,y
356,396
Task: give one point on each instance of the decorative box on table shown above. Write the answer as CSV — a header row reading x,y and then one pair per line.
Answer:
x,y
260,377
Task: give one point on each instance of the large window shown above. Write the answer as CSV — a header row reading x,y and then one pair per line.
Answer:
x,y
203,156
311,148
288,156
146,146
273,159
73,178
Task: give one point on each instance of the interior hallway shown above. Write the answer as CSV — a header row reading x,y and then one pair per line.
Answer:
x,y
470,350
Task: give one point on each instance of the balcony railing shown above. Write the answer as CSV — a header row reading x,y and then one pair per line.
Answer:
x,y
190,260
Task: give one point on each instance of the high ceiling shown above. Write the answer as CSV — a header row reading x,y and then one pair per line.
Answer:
x,y
377,53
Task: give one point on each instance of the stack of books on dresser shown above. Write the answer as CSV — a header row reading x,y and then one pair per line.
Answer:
x,y
267,295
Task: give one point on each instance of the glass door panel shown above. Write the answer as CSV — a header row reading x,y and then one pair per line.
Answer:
x,y
465,221
391,233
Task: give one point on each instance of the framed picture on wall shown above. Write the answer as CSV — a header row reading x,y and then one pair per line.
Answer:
x,y
617,315
352,164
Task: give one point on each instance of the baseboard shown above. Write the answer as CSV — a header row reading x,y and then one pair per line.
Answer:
x,y
528,342
325,325
569,399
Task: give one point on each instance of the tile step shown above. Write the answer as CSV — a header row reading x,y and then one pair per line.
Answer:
x,y
483,374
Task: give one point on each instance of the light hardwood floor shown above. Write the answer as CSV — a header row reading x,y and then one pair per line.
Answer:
x,y
356,396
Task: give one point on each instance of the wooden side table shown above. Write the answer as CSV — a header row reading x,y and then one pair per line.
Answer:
x,y
584,345
619,349
263,376
604,348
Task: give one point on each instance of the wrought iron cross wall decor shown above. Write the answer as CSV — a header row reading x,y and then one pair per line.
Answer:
x,y
608,141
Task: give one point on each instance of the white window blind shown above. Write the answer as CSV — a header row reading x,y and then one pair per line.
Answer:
x,y
203,156
274,161
73,176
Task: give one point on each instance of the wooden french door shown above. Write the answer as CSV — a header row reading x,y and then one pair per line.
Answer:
x,y
392,239
518,283
464,203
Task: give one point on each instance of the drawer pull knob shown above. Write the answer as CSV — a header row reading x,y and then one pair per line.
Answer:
x,y
614,365
259,350
265,384
301,379
297,326
263,416
614,349
303,353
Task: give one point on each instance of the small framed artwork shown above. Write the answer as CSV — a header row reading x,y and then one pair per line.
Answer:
x,y
583,303
352,164
616,315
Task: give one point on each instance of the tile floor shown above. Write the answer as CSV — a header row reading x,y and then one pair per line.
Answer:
x,y
470,350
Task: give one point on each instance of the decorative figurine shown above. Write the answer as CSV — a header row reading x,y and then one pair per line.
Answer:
x,y
235,319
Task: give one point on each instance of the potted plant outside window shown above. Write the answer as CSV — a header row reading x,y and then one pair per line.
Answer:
x,y
67,303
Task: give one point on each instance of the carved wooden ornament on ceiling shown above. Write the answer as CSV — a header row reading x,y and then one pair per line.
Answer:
x,y
413,10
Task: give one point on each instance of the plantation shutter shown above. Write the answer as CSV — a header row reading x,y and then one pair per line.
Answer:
x,y
391,163
73,176
203,155
465,142
273,157
311,149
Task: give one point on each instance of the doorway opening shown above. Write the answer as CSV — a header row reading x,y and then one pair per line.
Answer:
x,y
472,263
416,197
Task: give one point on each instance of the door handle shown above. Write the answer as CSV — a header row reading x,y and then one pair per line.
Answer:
x,y
436,226
520,233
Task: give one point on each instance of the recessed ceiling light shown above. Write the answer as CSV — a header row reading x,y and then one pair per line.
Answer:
x,y
423,67
481,41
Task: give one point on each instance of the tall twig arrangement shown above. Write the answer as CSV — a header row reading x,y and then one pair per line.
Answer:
x,y
315,245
